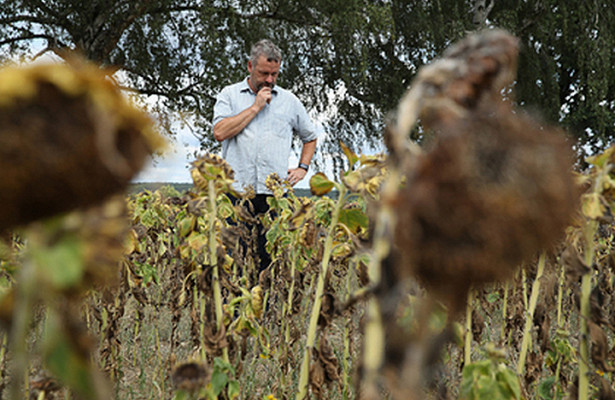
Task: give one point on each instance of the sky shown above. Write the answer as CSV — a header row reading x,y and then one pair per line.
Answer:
x,y
174,164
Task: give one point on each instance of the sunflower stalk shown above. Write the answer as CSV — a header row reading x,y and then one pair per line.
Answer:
x,y
346,341
304,375
529,316
24,301
504,311
286,312
560,295
374,334
467,355
291,290
213,259
589,231
586,288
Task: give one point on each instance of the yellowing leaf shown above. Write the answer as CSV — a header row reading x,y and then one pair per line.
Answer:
x,y
342,250
197,241
320,184
257,301
350,155
372,160
228,264
132,243
301,214
599,160
592,206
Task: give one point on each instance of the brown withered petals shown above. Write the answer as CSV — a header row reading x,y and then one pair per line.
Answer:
x,y
494,187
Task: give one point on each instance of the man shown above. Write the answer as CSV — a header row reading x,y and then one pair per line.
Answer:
x,y
255,121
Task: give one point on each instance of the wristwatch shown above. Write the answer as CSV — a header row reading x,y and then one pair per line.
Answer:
x,y
304,166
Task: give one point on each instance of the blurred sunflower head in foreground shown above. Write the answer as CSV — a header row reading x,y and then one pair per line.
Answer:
x,y
69,138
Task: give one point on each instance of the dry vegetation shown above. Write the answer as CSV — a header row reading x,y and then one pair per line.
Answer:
x,y
479,267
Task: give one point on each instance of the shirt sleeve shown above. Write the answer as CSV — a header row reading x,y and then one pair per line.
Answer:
x,y
222,108
304,127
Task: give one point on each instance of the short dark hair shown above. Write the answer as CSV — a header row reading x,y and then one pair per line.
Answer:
x,y
265,48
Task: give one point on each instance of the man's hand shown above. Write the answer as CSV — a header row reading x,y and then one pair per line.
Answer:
x,y
231,126
263,97
295,175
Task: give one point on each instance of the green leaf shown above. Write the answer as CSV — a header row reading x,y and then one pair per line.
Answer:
x,y
354,219
488,380
61,264
471,379
187,225
219,379
320,184
67,362
545,388
233,390
493,297
180,395
509,382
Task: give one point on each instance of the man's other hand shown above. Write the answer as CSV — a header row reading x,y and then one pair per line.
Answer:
x,y
295,175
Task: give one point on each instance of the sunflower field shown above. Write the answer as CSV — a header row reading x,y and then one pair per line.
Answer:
x,y
479,266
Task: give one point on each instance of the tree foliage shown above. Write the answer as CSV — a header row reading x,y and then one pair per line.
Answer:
x,y
348,60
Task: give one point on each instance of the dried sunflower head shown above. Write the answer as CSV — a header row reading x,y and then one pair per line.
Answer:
x,y
274,183
190,376
212,168
490,195
68,139
494,188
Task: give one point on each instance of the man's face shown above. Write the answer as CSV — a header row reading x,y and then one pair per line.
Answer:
x,y
263,73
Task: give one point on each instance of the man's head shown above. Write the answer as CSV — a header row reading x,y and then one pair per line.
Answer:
x,y
264,64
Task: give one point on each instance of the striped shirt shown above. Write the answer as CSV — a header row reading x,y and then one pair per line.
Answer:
x,y
263,146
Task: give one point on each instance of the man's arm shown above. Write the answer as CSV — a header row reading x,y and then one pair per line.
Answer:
x,y
307,152
231,126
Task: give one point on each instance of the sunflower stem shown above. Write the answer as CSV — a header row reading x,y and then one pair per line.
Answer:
x,y
213,259
374,332
504,312
529,316
304,374
22,315
586,288
467,355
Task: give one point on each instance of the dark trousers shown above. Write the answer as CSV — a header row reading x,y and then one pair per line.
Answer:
x,y
260,206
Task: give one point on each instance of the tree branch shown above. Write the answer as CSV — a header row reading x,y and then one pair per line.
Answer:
x,y
113,40
25,18
39,4
270,14
25,38
166,10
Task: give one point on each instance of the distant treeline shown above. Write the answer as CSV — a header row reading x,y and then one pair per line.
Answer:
x,y
184,187
153,186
